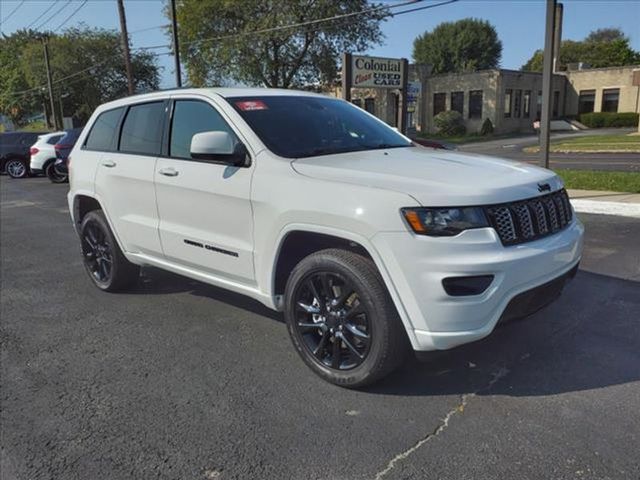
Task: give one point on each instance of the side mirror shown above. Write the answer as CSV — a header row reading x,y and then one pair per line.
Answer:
x,y
218,147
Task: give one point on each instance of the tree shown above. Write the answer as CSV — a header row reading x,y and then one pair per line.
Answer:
x,y
288,57
12,78
87,68
605,35
467,45
606,47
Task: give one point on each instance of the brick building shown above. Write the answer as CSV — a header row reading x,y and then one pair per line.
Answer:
x,y
511,99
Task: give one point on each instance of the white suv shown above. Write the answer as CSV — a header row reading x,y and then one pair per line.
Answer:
x,y
43,153
367,242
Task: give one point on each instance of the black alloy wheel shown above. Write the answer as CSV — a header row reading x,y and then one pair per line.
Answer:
x,y
341,318
105,263
54,175
97,252
332,321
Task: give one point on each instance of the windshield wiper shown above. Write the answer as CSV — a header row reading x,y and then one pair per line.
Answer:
x,y
382,146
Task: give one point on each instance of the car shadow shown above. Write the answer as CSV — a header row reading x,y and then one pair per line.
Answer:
x,y
160,282
588,339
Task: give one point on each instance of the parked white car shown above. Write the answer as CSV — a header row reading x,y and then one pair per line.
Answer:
x,y
43,155
368,243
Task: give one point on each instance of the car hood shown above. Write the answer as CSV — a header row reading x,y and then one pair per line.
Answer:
x,y
433,177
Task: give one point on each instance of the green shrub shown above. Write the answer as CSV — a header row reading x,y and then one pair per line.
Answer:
x,y
487,128
609,119
449,123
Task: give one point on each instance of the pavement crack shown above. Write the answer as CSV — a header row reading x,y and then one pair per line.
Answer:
x,y
459,408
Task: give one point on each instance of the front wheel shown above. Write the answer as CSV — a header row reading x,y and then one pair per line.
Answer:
x,y
104,261
341,319
16,168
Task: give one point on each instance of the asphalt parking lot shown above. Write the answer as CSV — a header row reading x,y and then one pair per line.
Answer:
x,y
181,380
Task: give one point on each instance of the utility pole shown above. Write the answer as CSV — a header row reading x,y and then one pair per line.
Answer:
x,y
346,76
547,82
50,83
176,47
125,46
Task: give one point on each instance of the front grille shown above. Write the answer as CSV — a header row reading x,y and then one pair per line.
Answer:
x,y
531,219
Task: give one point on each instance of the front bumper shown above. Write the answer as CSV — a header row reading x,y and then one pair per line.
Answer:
x,y
435,320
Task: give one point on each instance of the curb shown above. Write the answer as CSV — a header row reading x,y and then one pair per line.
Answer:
x,y
631,210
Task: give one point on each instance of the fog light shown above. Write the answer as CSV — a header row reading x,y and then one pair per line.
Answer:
x,y
466,286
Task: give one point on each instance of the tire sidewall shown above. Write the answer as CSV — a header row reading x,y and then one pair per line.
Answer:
x,y
55,177
98,217
376,315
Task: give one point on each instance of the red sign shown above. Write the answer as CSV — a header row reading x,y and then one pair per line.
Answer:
x,y
250,105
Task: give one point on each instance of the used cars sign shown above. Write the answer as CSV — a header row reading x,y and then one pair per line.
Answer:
x,y
375,72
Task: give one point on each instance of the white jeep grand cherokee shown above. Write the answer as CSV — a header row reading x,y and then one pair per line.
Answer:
x,y
367,242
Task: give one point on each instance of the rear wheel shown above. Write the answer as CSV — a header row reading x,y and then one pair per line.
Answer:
x,y
104,261
341,319
16,168
53,174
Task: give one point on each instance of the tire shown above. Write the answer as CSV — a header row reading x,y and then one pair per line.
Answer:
x,y
103,260
357,312
53,175
16,168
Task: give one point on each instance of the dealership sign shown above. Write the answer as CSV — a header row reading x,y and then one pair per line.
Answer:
x,y
375,72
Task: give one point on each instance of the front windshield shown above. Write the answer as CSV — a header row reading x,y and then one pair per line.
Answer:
x,y
304,126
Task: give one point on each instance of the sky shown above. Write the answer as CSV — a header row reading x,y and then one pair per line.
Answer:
x,y
519,23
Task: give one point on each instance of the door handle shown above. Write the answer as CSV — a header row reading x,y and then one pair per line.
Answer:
x,y
109,163
168,172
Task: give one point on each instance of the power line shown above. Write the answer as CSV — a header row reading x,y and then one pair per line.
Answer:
x,y
417,9
71,16
293,25
166,25
53,4
13,11
33,90
54,15
266,30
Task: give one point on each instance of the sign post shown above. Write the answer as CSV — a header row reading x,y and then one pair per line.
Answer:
x,y
404,98
359,71
346,76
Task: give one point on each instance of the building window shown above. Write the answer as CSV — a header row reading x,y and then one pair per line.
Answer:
x,y
457,102
610,97
508,95
357,102
370,105
517,104
556,103
539,105
439,103
475,104
526,104
586,101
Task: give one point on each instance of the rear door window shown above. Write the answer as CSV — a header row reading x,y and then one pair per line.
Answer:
x,y
142,129
104,131
53,140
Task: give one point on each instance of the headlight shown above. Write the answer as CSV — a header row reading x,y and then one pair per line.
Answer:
x,y
444,222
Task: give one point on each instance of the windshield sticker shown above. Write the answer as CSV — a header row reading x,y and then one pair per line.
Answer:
x,y
251,105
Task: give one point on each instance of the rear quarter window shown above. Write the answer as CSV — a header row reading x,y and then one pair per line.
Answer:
x,y
103,133
142,129
53,140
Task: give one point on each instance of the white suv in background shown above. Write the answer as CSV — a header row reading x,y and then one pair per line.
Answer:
x,y
43,155
368,243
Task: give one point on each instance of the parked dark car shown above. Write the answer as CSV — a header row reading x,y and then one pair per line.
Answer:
x,y
14,152
60,173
